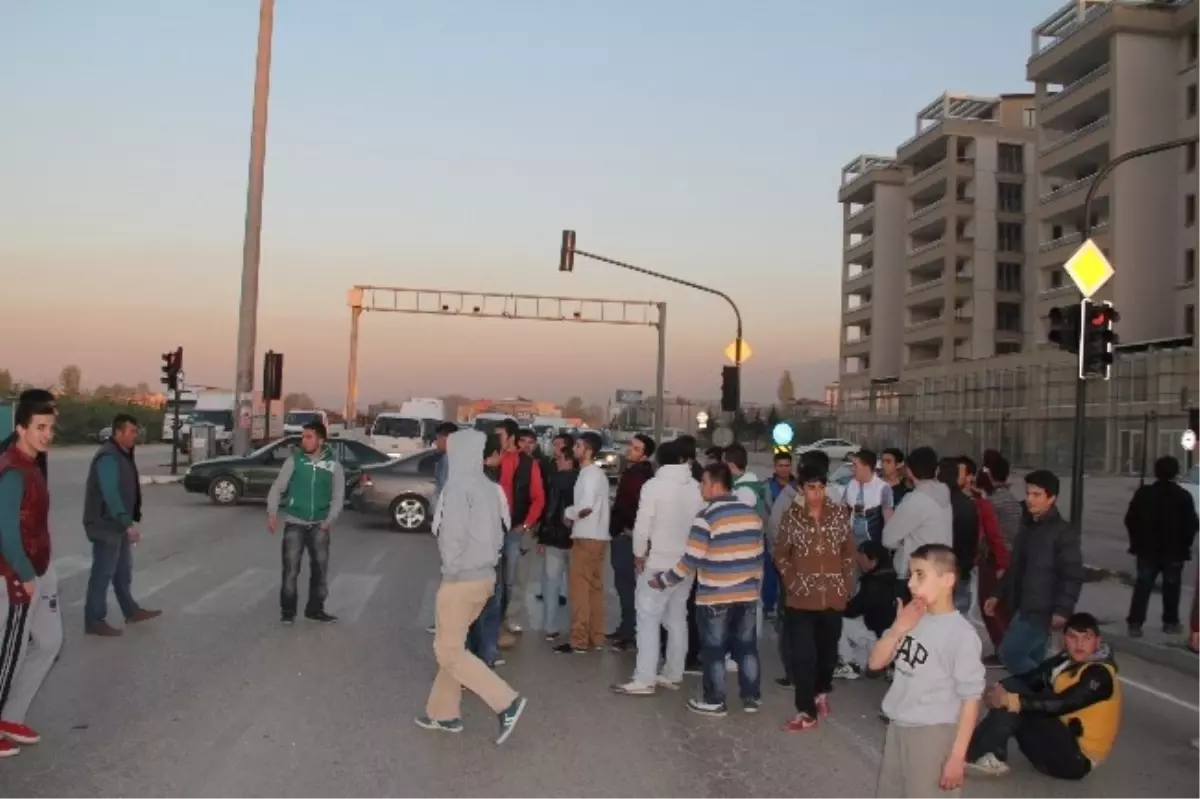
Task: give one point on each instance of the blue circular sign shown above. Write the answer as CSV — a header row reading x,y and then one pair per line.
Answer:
x,y
783,434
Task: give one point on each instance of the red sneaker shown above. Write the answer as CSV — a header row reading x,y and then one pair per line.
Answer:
x,y
822,703
802,722
18,733
8,748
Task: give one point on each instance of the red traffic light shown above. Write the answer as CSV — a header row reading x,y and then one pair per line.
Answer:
x,y
1102,316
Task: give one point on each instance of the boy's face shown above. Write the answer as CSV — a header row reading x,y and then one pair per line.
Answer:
x,y
966,480
891,469
637,451
865,563
39,435
1038,500
926,583
862,472
1080,644
527,444
783,470
814,493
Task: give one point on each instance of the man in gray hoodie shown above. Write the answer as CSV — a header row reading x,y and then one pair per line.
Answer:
x,y
469,524
923,518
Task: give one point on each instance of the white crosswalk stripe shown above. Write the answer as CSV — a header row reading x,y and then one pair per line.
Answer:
x,y
236,595
349,595
149,581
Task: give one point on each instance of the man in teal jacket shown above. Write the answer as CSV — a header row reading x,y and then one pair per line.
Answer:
x,y
315,487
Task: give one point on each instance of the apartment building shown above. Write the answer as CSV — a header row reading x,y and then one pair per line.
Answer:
x,y
935,240
1112,76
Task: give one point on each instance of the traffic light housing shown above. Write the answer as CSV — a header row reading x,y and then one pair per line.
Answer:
x,y
566,256
272,375
730,388
1098,340
172,366
1064,327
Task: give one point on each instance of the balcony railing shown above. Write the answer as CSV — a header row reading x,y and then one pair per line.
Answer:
x,y
913,178
1075,135
860,275
922,324
1092,13
1075,85
1065,189
869,206
926,247
854,245
1070,238
925,209
914,287
865,306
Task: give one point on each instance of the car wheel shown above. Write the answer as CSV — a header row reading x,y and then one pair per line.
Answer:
x,y
409,513
225,490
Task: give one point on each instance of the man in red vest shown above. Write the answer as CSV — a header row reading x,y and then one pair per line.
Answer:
x,y
29,604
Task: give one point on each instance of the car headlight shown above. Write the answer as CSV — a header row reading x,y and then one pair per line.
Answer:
x,y
610,458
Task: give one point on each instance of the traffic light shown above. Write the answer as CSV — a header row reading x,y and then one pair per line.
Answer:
x,y
1064,327
172,365
730,388
1099,340
566,256
272,375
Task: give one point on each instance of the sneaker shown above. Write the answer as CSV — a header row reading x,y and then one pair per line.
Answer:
x,y
431,629
706,708
551,636
509,718
515,629
321,616
567,649
751,705
730,665
992,662
287,621
498,662
1173,629
633,688
989,766
784,682
599,647
802,722
846,671
441,725
18,733
822,702
1135,631
8,748
623,645
665,682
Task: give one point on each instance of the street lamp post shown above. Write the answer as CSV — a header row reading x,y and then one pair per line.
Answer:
x,y
567,263
1079,449
248,310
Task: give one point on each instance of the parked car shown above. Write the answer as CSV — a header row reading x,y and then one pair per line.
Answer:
x,y
838,449
402,490
228,480
611,456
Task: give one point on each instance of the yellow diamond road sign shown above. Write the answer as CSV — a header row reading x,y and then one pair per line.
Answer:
x,y
1089,269
731,351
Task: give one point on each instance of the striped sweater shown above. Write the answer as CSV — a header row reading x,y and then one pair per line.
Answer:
x,y
725,551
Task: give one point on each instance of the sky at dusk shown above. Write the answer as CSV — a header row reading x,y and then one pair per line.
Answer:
x,y
446,145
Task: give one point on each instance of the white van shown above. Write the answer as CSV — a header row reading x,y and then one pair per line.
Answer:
x,y
410,429
294,420
486,422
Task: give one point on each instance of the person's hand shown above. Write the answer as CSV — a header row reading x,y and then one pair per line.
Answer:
x,y
989,606
1057,622
324,527
999,573
272,524
908,615
995,696
134,534
639,564
29,586
953,773
586,512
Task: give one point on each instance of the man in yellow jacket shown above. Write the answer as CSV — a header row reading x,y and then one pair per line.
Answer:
x,y
1064,714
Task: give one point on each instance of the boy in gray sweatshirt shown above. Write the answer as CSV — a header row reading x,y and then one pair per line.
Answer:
x,y
933,703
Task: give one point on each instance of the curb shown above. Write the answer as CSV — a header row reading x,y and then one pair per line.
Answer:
x,y
160,479
1176,657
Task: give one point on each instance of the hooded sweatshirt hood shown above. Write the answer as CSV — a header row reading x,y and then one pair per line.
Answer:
x,y
469,517
924,517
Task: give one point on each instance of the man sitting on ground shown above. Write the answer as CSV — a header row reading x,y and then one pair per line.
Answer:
x,y
1064,714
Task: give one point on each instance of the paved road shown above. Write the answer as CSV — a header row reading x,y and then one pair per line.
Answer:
x,y
215,698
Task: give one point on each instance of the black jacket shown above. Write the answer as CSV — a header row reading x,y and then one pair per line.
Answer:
x,y
875,600
1162,522
965,524
1036,687
554,531
1045,575
629,494
41,456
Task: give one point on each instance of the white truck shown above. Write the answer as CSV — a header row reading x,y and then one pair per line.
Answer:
x,y
218,409
410,429
295,419
187,404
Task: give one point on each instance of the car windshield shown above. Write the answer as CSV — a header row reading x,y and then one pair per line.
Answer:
x,y
218,418
301,417
396,427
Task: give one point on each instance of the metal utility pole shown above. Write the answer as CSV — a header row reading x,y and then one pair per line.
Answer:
x,y
1079,449
486,305
248,310
566,264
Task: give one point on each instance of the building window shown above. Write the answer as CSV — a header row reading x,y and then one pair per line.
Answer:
x,y
1029,117
1191,101
1010,197
1008,347
1008,317
1012,158
1056,278
1189,265
1189,320
1193,47
1191,157
1010,236
1189,210
1008,277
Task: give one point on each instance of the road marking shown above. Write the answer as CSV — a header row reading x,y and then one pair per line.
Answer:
x,y
350,593
149,581
375,561
68,566
235,595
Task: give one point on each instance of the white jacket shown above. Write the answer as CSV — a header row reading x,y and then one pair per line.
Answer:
x,y
669,503
591,492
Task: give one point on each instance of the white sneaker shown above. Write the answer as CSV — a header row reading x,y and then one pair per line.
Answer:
x,y
669,684
634,688
989,766
845,671
730,664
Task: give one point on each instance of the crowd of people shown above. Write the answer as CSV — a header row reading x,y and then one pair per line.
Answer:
x,y
877,580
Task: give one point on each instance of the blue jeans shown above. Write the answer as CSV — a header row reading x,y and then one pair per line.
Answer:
x,y
554,569
1024,645
770,583
729,628
112,563
483,636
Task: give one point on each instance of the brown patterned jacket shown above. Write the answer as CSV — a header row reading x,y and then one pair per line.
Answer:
x,y
816,560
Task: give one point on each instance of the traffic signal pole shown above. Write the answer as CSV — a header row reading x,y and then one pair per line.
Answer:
x,y
1079,450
